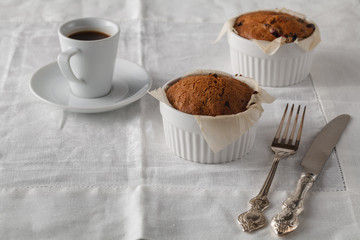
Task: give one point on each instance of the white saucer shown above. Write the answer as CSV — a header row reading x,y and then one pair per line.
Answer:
x,y
131,82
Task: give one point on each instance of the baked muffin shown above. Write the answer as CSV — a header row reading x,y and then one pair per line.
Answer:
x,y
210,95
269,25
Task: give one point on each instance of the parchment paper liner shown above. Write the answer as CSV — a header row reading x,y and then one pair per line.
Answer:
x,y
270,48
220,131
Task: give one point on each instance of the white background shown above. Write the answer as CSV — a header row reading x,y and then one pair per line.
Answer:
x,y
111,175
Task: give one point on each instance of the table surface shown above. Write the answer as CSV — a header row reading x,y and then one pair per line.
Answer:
x,y
110,175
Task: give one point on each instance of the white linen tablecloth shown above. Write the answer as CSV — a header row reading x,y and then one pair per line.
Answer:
x,y
111,176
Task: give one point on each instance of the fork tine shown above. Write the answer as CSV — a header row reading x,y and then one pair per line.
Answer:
x,y
287,125
291,139
300,129
278,132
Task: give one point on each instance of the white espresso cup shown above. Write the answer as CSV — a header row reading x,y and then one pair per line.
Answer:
x,y
89,47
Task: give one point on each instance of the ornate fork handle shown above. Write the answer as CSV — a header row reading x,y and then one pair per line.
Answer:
x,y
287,220
254,218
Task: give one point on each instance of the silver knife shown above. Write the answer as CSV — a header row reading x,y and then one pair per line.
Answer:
x,y
287,220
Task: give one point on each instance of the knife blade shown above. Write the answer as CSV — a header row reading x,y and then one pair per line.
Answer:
x,y
319,152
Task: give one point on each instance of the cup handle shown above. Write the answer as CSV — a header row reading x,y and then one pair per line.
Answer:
x,y
63,61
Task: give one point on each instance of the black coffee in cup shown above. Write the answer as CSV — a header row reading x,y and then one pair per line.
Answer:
x,y
88,35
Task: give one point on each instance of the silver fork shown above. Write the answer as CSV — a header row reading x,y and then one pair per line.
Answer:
x,y
282,147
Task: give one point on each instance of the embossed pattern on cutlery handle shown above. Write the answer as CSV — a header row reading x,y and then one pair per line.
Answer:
x,y
254,218
287,220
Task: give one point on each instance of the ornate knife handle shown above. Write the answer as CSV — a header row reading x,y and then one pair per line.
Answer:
x,y
287,220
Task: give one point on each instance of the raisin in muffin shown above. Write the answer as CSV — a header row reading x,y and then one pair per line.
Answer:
x,y
269,25
210,95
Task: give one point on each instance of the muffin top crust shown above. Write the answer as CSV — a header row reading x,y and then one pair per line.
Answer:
x,y
210,95
269,25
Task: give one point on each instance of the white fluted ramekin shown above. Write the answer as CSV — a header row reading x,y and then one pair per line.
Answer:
x,y
183,136
289,65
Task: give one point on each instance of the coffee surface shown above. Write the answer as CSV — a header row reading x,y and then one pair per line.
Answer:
x,y
88,35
